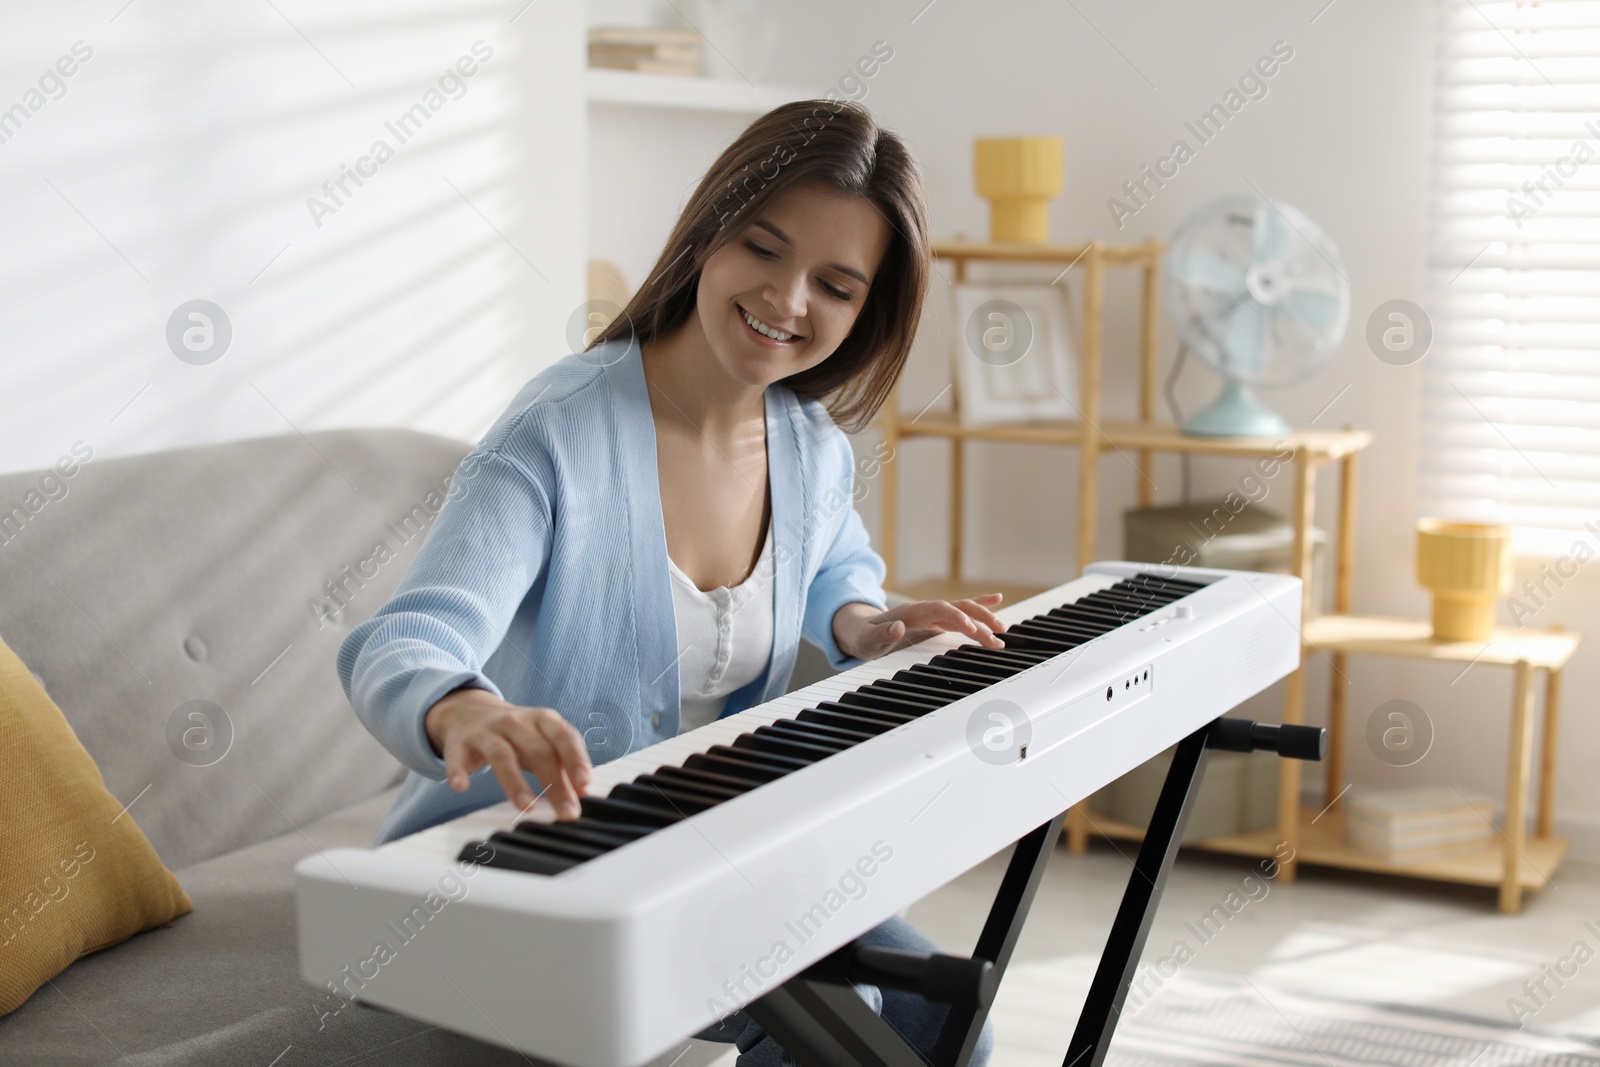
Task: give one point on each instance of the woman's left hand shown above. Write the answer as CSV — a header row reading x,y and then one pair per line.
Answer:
x,y
869,633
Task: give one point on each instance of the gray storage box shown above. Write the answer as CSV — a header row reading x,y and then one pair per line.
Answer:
x,y
1238,795
1254,539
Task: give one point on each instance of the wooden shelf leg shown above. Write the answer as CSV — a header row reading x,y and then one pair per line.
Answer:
x,y
1294,698
1334,782
1547,757
1337,686
1089,412
889,515
1289,776
957,491
1516,828
1077,829
1149,344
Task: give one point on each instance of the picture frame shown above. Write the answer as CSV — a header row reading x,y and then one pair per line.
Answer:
x,y
1012,353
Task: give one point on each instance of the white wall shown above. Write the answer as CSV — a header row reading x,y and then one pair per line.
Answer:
x,y
192,138
1343,134
178,165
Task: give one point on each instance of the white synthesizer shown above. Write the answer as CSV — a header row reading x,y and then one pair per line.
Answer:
x,y
711,868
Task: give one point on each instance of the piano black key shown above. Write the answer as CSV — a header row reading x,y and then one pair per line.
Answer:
x,y
1095,609
1072,637
782,746
700,789
894,718
959,684
1144,601
1124,606
993,671
536,836
683,802
1107,599
970,659
1055,629
1116,614
805,730
789,763
1087,615
517,858
953,673
699,775
1061,622
1022,660
1017,658
1060,627
810,736
939,697
1016,638
868,697
1163,580
597,833
752,772
848,722
604,809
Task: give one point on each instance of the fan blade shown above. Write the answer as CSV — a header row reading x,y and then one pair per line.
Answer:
x,y
1271,236
1311,309
1203,270
1244,344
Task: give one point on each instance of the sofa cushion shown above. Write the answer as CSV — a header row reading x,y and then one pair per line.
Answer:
x,y
184,608
222,985
78,875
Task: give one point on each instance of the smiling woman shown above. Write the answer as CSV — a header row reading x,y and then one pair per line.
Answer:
x,y
856,190
609,570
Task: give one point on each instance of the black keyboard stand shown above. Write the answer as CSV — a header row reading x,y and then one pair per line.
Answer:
x,y
822,1022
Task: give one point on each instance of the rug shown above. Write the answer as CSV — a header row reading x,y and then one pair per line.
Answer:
x,y
1211,1019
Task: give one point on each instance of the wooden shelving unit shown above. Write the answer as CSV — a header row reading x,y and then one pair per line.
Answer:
x,y
1318,838
1092,436
1519,861
628,88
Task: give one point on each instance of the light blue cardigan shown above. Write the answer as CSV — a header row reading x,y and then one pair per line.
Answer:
x,y
544,578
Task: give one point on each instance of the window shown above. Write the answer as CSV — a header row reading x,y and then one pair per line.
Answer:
x,y
1511,394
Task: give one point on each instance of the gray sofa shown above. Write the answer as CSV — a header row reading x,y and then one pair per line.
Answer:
x,y
218,581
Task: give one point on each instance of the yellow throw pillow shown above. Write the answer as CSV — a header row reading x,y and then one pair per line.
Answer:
x,y
76,872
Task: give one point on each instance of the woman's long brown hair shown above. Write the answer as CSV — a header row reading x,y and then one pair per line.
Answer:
x,y
836,143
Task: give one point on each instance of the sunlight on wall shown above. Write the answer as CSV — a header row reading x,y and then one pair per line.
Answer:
x,y
350,187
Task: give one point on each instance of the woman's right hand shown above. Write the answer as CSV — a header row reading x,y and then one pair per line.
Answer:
x,y
471,727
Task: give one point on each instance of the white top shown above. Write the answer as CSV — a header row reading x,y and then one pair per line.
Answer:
x,y
725,637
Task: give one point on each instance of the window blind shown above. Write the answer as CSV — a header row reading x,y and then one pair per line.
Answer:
x,y
1511,387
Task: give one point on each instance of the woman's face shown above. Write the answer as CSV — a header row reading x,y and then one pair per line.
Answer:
x,y
801,267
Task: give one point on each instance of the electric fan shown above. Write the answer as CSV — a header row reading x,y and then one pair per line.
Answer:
x,y
1257,291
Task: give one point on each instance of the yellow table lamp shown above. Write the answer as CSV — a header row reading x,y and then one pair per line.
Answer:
x,y
1018,176
1467,567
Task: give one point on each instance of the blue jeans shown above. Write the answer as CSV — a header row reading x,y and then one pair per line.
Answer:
x,y
918,1020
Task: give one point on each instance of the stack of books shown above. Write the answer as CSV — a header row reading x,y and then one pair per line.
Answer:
x,y
652,51
1418,824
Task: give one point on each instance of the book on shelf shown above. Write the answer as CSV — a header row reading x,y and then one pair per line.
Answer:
x,y
1418,823
1419,855
1413,806
643,35
645,49
613,55
647,66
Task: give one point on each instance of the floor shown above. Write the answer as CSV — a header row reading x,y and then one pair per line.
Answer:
x,y
1340,933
